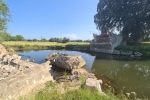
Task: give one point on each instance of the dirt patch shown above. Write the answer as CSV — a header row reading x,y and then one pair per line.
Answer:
x,y
2,49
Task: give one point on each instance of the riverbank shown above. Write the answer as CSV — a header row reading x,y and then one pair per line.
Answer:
x,y
25,69
24,45
143,48
56,91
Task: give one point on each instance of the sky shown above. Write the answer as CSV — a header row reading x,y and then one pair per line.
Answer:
x,y
38,19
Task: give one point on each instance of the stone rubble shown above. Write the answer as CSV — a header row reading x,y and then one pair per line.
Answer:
x,y
18,77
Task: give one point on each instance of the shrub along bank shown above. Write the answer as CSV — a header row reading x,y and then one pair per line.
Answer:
x,y
143,48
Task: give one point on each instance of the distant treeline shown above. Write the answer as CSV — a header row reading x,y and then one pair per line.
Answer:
x,y
59,40
7,37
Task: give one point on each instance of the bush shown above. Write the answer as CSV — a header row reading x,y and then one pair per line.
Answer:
x,y
142,48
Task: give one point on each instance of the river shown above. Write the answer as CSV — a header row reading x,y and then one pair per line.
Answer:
x,y
130,75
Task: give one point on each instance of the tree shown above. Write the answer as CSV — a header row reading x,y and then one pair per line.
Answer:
x,y
59,40
34,40
51,40
65,40
130,17
4,15
43,40
19,38
5,36
13,38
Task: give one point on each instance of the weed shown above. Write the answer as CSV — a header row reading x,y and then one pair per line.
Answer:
x,y
83,80
65,74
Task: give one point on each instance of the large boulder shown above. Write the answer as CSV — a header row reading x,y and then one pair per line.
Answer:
x,y
66,61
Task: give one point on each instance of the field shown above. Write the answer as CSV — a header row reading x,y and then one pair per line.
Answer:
x,y
43,45
13,43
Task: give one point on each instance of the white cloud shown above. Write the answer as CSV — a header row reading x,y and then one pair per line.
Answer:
x,y
70,36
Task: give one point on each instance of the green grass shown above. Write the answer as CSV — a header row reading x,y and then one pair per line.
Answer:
x,y
144,48
50,92
22,45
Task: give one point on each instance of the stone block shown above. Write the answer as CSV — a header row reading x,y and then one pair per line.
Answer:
x,y
1,75
3,86
13,90
18,84
15,61
19,73
27,72
47,74
35,70
94,84
22,67
14,70
12,81
5,75
30,80
22,77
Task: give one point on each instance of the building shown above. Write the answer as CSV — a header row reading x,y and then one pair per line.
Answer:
x,y
105,43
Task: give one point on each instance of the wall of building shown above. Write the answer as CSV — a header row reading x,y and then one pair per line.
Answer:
x,y
99,39
101,47
106,44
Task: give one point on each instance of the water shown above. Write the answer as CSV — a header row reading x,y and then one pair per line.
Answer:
x,y
131,74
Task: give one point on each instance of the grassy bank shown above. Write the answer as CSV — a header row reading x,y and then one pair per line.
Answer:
x,y
50,92
144,48
23,45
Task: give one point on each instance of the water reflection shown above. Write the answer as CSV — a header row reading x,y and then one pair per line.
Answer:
x,y
131,74
39,56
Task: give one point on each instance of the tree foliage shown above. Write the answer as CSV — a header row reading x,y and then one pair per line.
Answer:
x,y
4,15
19,38
59,40
5,36
130,17
65,40
43,40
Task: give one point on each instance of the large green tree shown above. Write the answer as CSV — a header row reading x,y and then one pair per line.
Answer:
x,y
5,36
4,15
130,17
4,18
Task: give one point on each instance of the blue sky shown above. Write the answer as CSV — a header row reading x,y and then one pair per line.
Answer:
x,y
53,18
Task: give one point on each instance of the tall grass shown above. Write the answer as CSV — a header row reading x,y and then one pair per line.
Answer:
x,y
44,45
26,43
51,92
